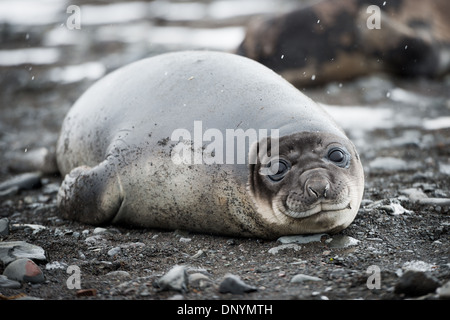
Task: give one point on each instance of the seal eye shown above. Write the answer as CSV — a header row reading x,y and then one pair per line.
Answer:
x,y
283,168
339,157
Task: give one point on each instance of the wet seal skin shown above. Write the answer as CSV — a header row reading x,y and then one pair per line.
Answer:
x,y
330,40
117,143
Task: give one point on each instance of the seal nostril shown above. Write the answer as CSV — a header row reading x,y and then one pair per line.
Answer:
x,y
318,189
327,187
314,192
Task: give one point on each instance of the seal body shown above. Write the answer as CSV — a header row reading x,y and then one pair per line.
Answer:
x,y
337,40
159,144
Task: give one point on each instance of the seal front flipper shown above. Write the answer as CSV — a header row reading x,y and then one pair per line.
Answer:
x,y
91,195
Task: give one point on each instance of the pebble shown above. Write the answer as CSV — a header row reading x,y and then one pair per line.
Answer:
x,y
4,227
302,239
416,283
175,279
233,284
290,246
342,241
99,230
12,250
24,270
114,251
303,277
444,291
8,283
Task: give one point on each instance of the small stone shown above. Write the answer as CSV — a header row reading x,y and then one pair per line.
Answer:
x,y
301,239
99,230
303,277
290,246
175,279
233,284
12,250
416,283
8,283
24,270
4,227
185,240
114,251
342,241
86,292
444,291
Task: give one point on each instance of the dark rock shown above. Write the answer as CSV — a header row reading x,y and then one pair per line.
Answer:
x,y
416,283
176,279
234,284
24,270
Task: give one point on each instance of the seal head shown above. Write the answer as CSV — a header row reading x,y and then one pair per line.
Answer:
x,y
317,185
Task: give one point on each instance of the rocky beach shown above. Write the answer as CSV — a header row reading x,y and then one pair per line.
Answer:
x,y
397,248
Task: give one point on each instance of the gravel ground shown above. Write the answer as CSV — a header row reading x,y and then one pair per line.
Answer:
x,y
401,129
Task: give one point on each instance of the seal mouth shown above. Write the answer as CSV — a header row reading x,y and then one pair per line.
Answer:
x,y
317,209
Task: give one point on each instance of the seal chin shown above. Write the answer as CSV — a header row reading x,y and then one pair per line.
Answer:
x,y
317,209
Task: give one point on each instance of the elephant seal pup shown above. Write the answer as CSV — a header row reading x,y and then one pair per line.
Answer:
x,y
177,141
337,40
